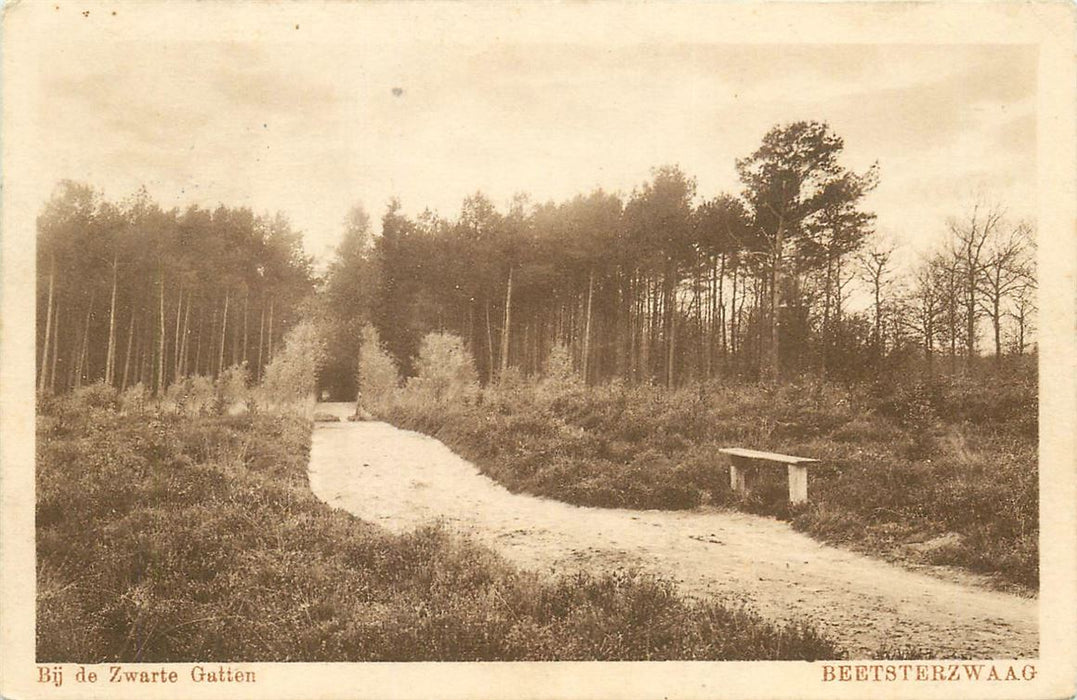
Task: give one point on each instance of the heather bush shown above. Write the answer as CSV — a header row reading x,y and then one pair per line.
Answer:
x,y
895,468
180,538
194,396
96,396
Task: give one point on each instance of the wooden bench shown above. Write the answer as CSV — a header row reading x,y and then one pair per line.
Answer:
x,y
743,464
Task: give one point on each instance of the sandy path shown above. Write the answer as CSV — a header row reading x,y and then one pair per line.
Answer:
x,y
401,479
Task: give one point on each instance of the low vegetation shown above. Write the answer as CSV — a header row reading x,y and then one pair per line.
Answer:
x,y
179,535
940,470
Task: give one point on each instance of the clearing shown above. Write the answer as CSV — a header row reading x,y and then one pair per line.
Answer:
x,y
401,480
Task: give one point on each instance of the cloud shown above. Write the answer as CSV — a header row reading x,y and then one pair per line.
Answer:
x,y
1017,134
311,128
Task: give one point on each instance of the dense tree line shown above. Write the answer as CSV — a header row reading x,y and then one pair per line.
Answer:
x,y
129,293
663,285
666,286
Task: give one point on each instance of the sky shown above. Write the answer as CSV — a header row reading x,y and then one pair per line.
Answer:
x,y
327,116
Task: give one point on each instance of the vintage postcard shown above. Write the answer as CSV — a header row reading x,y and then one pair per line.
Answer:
x,y
538,350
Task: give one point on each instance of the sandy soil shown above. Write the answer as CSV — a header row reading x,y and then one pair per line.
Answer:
x,y
401,479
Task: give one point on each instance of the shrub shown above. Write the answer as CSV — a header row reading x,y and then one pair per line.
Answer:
x,y
231,388
201,395
133,399
97,395
378,375
192,396
446,371
176,395
290,379
560,376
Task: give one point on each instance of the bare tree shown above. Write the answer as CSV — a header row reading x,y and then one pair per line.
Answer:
x,y
970,238
1023,307
946,276
876,271
925,304
1003,272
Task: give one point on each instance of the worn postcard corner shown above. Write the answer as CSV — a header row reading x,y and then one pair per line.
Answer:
x,y
560,350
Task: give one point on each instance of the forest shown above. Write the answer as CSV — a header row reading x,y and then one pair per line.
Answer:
x,y
671,287
665,285
130,294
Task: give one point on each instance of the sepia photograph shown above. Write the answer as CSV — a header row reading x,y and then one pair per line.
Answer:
x,y
341,339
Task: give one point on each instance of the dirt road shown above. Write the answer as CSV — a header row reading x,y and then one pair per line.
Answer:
x,y
402,479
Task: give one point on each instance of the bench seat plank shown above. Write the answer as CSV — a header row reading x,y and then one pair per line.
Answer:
x,y
765,456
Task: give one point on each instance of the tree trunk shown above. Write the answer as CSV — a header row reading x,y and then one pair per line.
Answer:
x,y
761,314
645,316
269,339
198,346
697,301
177,339
828,284
713,328
127,355
771,367
587,326
145,355
996,319
952,293
970,327
719,282
505,329
489,345
140,342
110,353
878,316
235,343
185,338
48,324
138,358
76,358
80,365
734,320
470,324
828,289
246,299
55,349
838,289
1020,333
224,332
672,311
211,341
261,338
929,352
161,344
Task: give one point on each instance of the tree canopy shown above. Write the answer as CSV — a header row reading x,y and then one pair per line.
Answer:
x,y
664,284
131,293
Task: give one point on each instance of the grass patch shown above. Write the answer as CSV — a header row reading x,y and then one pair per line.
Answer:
x,y
172,538
942,471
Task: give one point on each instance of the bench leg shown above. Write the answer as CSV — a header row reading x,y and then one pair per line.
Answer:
x,y
798,484
736,477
